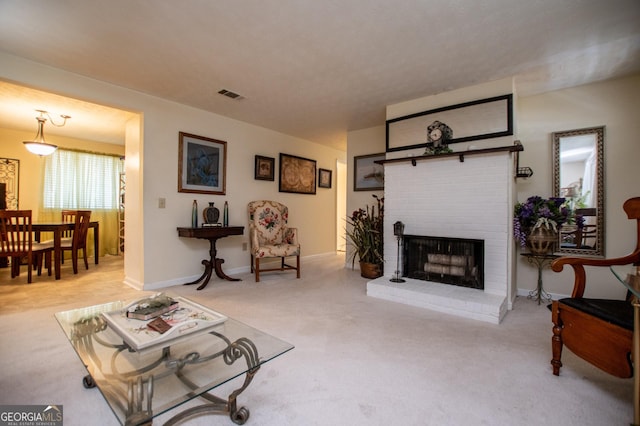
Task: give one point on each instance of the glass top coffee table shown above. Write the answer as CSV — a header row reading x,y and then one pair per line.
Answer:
x,y
141,379
629,276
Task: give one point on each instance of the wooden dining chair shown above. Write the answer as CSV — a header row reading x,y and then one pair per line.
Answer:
x,y
67,216
78,240
590,229
16,242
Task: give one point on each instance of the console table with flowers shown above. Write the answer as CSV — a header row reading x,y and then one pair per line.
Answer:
x,y
536,224
540,261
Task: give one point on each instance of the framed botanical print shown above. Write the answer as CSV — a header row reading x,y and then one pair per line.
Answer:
x,y
202,165
264,168
297,174
324,178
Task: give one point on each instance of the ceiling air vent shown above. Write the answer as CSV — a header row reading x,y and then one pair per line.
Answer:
x,y
230,94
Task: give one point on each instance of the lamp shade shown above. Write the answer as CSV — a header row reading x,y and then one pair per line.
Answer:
x,y
39,148
38,145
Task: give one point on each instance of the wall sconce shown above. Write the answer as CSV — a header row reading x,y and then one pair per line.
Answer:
x,y
39,146
398,231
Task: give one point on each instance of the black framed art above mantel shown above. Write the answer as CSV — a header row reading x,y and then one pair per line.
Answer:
x,y
469,121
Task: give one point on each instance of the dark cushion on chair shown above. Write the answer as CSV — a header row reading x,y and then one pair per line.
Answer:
x,y
618,312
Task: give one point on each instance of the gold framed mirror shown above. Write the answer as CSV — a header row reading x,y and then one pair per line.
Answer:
x,y
578,176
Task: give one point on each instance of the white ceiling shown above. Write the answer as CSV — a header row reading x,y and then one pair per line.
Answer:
x,y
317,69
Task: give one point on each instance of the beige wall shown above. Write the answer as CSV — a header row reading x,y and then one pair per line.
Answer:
x,y
155,256
361,142
614,104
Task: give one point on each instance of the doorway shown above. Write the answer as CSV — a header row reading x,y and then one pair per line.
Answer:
x,y
341,205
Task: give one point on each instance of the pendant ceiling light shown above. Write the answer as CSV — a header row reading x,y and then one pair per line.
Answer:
x,y
39,146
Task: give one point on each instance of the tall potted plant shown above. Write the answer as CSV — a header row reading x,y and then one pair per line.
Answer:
x,y
365,233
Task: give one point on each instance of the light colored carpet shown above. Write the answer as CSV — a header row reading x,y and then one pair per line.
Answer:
x,y
358,360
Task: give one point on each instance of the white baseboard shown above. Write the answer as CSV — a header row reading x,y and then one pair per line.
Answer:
x,y
231,272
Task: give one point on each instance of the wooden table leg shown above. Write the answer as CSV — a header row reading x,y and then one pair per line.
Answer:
x,y
96,242
57,251
210,265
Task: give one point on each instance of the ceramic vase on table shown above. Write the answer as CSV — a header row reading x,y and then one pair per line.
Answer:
x,y
542,240
194,214
211,214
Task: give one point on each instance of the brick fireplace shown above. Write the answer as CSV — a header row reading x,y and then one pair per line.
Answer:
x,y
467,196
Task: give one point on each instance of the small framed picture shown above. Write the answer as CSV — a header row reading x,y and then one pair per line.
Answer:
x,y
297,174
324,178
202,165
368,175
264,168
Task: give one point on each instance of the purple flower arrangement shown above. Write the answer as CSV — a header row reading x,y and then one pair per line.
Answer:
x,y
540,212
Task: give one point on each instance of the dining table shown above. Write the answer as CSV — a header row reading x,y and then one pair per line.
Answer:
x,y
58,228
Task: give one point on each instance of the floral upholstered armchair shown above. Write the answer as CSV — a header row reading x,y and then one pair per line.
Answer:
x,y
270,237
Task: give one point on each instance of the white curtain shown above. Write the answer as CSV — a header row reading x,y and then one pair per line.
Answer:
x,y
589,183
84,181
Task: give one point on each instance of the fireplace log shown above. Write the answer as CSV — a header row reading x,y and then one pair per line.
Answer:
x,y
448,259
436,268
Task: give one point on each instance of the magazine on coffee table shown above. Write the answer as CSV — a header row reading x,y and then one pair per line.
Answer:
x,y
187,319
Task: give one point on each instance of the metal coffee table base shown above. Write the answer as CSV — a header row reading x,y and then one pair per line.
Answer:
x,y
139,394
165,380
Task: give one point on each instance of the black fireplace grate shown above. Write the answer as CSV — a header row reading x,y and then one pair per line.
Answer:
x,y
454,261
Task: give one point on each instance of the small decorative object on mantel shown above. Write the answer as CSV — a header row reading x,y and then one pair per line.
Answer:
x,y
536,223
211,215
438,134
365,233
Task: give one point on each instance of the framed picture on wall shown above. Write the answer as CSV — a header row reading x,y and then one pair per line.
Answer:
x,y
264,168
324,178
367,175
202,165
297,174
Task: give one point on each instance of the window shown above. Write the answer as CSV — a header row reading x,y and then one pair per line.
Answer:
x,y
81,180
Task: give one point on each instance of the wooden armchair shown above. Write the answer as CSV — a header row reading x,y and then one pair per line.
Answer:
x,y
600,331
270,236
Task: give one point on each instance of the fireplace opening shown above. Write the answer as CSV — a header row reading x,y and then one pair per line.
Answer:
x,y
454,261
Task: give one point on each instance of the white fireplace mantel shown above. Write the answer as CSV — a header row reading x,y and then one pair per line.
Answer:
x,y
460,195
460,154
